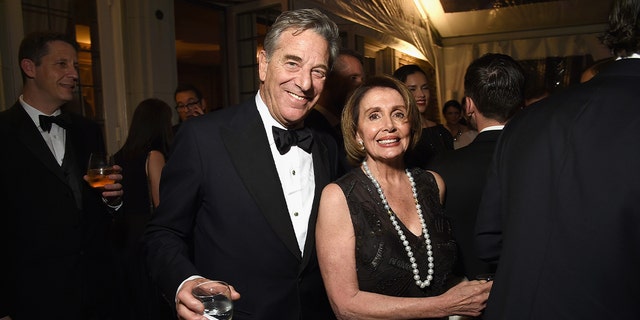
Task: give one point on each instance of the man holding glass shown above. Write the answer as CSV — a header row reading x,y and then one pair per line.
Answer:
x,y
54,228
238,203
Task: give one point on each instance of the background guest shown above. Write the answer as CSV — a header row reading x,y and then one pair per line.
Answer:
x,y
54,228
189,103
223,215
142,158
346,75
561,208
382,238
456,124
434,138
494,90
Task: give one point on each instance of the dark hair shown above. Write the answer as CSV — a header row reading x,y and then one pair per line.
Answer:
x,y
452,103
301,20
623,34
403,72
150,129
495,82
351,111
352,53
183,87
36,45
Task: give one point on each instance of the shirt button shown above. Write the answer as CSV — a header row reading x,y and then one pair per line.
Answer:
x,y
293,172
295,214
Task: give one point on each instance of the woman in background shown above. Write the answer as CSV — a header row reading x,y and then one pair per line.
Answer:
x,y
456,124
142,157
435,138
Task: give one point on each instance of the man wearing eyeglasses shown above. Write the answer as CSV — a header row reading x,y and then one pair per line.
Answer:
x,y
189,103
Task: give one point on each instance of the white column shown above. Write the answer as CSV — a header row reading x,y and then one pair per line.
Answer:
x,y
11,33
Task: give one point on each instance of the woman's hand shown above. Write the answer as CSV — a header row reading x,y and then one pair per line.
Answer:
x,y
468,298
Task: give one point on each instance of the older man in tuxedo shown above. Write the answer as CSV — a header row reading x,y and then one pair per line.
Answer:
x,y
54,229
239,194
494,90
561,208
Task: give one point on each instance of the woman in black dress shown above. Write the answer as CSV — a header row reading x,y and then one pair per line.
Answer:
x,y
385,248
435,138
142,158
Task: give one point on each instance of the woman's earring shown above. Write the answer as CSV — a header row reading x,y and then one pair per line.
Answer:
x,y
361,144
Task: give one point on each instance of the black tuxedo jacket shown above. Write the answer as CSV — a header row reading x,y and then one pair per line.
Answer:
x,y
465,173
54,250
561,209
223,216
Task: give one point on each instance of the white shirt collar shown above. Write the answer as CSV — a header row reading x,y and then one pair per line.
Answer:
x,y
490,128
35,113
633,56
267,119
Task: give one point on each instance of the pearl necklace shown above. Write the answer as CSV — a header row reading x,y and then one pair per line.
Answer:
x,y
403,238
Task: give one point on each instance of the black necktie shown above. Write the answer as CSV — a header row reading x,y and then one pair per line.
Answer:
x,y
284,139
46,121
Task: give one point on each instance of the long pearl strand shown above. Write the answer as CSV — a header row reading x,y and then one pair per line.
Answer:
x,y
416,273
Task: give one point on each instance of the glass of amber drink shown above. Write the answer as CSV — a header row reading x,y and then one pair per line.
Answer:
x,y
99,168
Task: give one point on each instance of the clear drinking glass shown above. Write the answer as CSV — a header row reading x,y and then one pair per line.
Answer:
x,y
99,168
216,297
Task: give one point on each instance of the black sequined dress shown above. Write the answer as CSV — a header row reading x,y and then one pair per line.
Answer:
x,y
381,260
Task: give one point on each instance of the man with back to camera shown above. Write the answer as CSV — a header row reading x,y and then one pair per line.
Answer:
x,y
239,204
54,228
561,212
494,91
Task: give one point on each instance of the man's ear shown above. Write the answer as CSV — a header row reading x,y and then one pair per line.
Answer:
x,y
469,106
203,104
262,65
28,67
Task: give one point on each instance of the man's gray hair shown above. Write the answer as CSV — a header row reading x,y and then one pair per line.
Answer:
x,y
301,20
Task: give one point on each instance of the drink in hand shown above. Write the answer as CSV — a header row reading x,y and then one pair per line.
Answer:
x,y
217,307
99,177
216,298
98,169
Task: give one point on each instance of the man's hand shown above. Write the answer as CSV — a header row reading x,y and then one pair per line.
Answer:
x,y
190,308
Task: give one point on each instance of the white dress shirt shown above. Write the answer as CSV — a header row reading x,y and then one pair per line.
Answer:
x,y
55,139
295,170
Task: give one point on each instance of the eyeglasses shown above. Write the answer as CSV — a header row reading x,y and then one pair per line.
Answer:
x,y
188,105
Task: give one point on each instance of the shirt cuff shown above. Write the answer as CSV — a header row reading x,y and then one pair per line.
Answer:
x,y
181,284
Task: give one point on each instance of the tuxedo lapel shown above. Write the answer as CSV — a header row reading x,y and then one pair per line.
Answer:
x,y
248,148
29,135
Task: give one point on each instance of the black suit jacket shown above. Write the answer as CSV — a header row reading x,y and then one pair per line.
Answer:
x,y
561,209
223,216
465,173
54,255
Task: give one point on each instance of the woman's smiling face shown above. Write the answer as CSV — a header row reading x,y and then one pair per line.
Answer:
x,y
383,126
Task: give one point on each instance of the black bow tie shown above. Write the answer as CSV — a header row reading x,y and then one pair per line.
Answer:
x,y
61,120
284,139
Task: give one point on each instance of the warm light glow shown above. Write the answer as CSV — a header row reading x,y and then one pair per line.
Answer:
x,y
408,49
430,10
83,35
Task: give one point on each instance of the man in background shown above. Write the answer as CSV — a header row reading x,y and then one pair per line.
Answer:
x,y
346,75
189,103
561,210
55,244
494,90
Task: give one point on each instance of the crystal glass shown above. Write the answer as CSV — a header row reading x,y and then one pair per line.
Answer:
x,y
216,297
99,168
